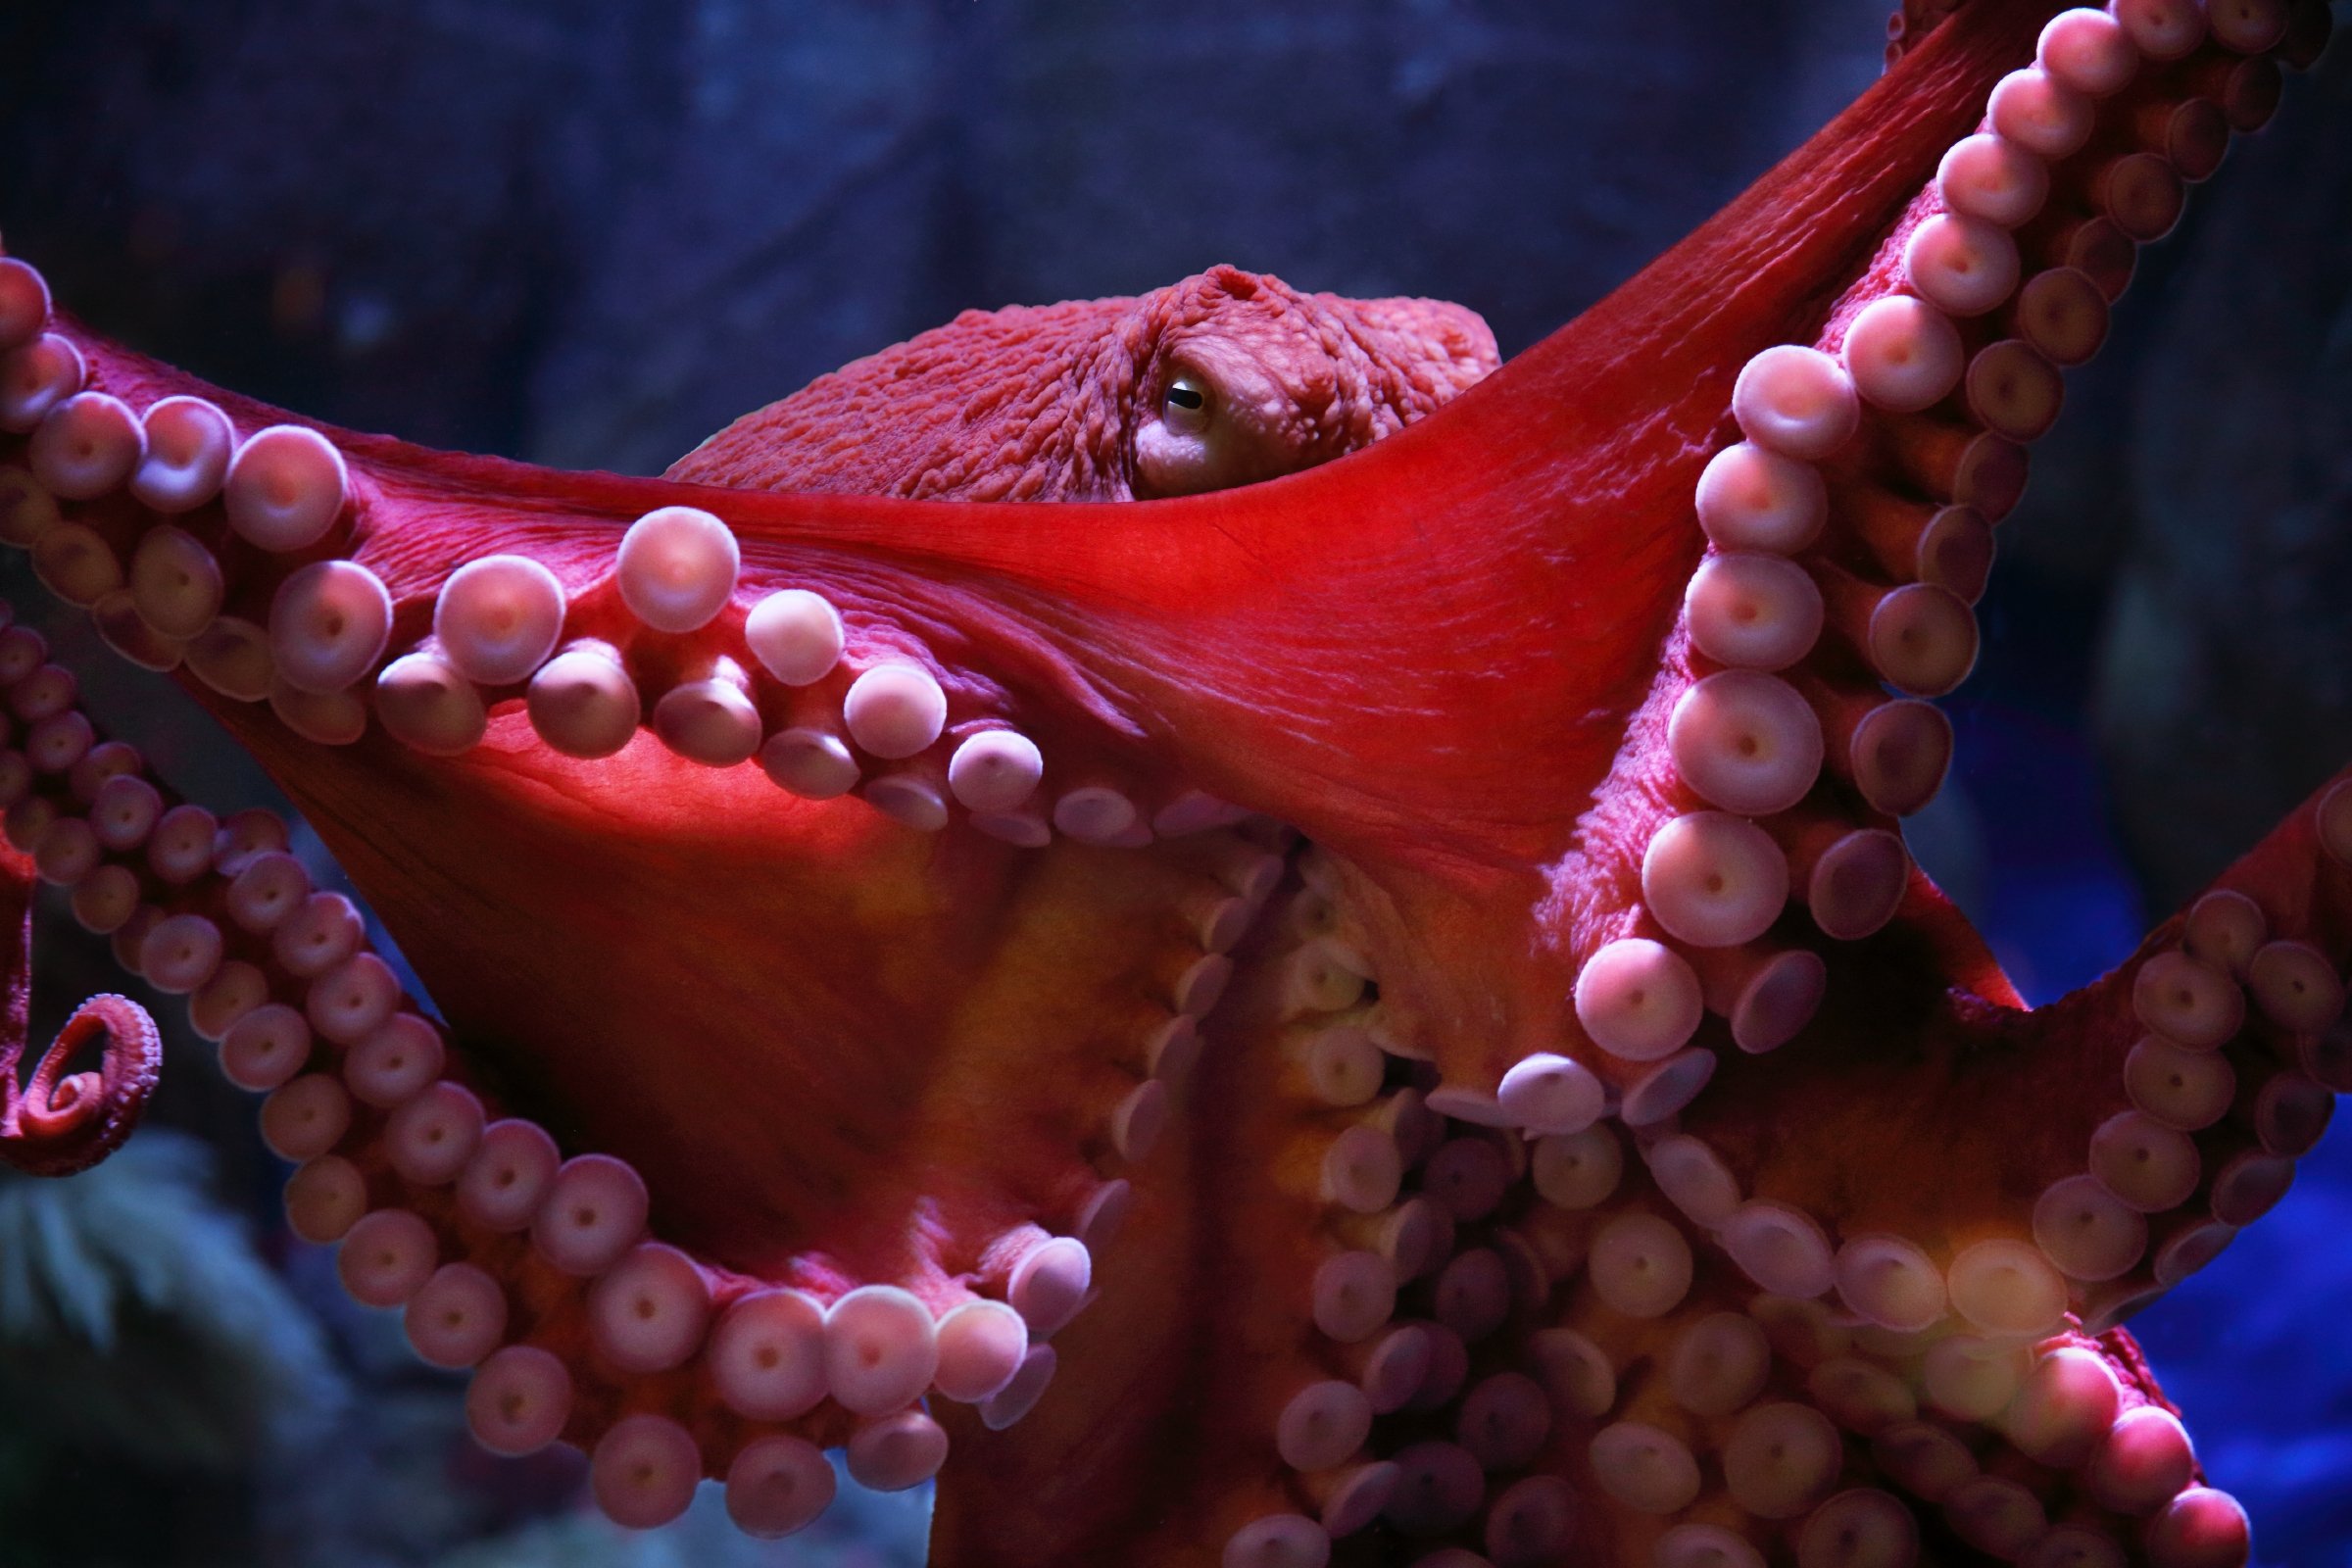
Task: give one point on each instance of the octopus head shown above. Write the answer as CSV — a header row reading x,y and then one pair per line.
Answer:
x,y
1223,379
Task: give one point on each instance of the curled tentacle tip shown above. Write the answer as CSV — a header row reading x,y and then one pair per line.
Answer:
x,y
59,1123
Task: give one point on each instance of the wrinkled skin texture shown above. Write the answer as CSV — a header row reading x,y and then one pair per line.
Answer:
x,y
968,1023
1223,379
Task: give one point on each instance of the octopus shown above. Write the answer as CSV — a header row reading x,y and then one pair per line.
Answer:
x,y
1045,998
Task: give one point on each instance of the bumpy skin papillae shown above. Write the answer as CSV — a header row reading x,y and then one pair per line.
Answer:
x,y
1787,1272
1070,402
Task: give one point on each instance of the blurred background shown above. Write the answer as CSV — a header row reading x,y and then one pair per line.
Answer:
x,y
591,236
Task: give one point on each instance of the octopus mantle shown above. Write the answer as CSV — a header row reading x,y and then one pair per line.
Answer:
x,y
1223,1090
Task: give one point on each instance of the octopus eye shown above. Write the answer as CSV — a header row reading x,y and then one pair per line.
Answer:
x,y
1185,408
1223,419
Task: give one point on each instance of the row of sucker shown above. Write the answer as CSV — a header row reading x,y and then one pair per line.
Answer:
x,y
1872,1405
227,563
1851,529
1864,1406
2234,1080
535,1270
320,655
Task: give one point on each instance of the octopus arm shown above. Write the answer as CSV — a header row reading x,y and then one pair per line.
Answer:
x,y
56,1122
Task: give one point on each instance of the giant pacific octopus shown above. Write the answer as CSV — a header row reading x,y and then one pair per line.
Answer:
x,y
1206,1083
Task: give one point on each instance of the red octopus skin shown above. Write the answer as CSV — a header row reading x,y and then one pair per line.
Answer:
x,y
1061,402
843,1053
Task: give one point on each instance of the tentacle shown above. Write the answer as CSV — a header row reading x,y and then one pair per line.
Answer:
x,y
59,1122
537,1270
2208,1065
1924,1333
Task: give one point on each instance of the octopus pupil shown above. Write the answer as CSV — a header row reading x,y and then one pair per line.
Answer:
x,y
1184,397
